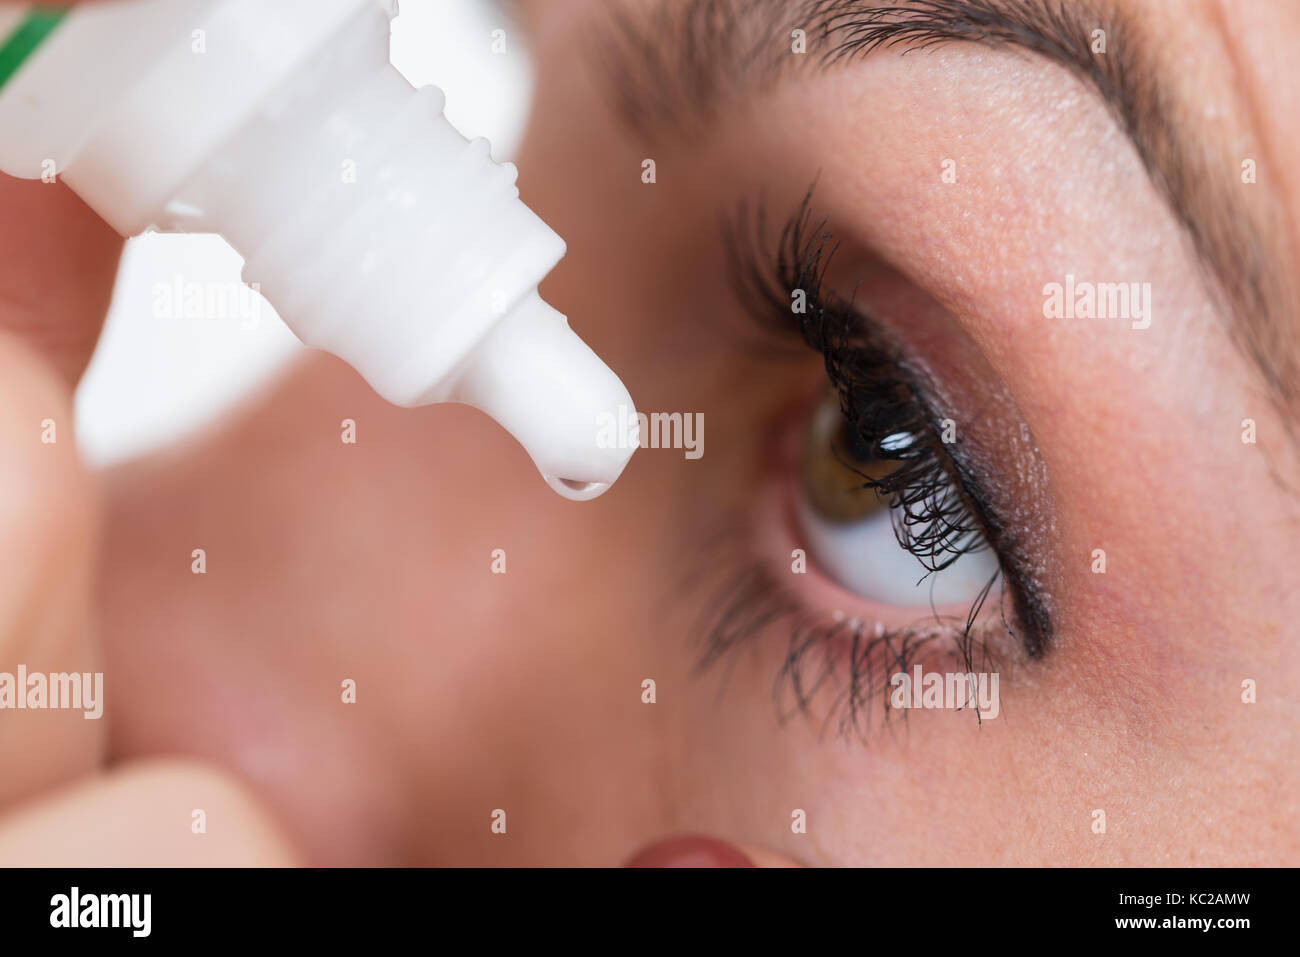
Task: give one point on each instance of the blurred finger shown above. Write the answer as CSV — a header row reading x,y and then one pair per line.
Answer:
x,y
48,531
58,261
172,813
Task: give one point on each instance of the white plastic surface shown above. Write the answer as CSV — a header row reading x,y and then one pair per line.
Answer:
x,y
548,389
374,228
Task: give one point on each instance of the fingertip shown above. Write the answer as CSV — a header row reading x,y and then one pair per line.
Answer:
x,y
165,812
58,266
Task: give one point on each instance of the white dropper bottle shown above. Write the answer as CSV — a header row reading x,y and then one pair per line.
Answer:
x,y
379,233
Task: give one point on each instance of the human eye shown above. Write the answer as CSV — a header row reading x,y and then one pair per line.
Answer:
x,y
891,500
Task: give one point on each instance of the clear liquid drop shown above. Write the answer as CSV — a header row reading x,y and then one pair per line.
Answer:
x,y
576,490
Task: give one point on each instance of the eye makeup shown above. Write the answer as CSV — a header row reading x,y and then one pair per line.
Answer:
x,y
947,497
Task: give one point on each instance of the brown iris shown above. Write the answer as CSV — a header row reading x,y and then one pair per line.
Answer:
x,y
834,464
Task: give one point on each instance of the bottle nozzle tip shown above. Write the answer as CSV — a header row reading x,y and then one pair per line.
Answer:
x,y
545,385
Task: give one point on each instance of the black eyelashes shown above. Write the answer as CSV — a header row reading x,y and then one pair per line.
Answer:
x,y
931,510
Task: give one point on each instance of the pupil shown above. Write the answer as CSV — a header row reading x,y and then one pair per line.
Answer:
x,y
853,446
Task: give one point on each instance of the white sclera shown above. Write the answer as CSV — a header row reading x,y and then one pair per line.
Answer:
x,y
866,558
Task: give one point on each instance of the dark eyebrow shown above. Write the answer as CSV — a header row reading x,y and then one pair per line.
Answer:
x,y
677,64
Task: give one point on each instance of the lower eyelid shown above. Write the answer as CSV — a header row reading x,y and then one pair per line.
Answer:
x,y
829,660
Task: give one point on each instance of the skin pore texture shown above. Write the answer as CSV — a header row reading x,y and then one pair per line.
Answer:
x,y
522,691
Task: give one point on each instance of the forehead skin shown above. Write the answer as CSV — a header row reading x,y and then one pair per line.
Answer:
x,y
1193,128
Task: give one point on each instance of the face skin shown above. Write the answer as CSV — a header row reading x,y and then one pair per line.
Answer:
x,y
523,691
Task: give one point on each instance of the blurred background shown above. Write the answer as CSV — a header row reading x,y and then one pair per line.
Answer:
x,y
151,379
